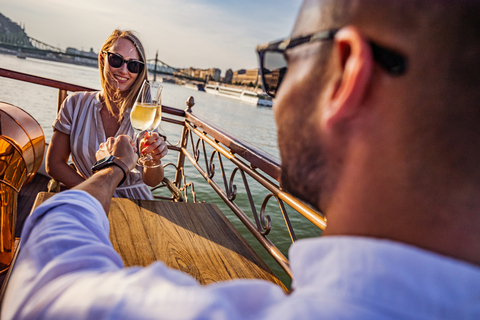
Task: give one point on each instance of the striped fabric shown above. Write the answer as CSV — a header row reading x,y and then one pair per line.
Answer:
x,y
80,118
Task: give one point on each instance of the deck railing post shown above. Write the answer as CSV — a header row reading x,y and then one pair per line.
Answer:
x,y
62,95
183,143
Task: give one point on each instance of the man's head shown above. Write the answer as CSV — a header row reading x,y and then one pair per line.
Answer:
x,y
384,154
348,128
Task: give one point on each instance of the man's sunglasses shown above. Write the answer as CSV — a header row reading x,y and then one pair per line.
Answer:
x,y
273,65
116,61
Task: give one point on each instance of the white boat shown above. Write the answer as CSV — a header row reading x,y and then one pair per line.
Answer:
x,y
248,96
194,86
259,99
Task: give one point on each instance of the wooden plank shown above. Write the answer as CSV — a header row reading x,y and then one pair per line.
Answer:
x,y
26,199
192,237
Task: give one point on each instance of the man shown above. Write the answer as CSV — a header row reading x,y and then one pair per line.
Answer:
x,y
383,96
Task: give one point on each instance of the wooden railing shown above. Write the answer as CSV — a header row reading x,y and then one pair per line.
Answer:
x,y
201,143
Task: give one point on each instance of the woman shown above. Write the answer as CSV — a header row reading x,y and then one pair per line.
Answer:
x,y
87,119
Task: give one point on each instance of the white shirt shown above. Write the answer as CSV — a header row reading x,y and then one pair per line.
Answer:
x,y
67,269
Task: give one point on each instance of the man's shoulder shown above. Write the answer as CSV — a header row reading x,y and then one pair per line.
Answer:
x,y
366,250
384,277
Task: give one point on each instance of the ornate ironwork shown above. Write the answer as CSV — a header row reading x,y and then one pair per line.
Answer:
x,y
262,226
284,213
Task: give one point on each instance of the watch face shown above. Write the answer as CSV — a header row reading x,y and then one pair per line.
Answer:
x,y
102,163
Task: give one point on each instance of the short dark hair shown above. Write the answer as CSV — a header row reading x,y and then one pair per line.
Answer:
x,y
442,107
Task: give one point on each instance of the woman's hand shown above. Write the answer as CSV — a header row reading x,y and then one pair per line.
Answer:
x,y
155,145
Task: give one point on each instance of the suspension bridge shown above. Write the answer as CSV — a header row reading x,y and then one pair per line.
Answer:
x,y
29,47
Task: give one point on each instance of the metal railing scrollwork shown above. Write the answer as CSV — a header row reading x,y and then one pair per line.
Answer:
x,y
208,147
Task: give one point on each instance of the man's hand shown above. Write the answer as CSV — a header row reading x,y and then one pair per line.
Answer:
x,y
121,147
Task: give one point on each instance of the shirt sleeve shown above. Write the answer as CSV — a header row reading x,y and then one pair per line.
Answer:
x,y
63,121
68,269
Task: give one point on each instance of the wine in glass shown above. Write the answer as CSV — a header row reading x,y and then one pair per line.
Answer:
x,y
147,160
146,114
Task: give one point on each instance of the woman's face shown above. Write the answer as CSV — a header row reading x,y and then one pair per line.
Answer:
x,y
121,78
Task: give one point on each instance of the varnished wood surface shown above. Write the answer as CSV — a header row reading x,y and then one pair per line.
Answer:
x,y
26,198
192,237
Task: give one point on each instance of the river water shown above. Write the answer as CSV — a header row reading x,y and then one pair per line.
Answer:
x,y
253,124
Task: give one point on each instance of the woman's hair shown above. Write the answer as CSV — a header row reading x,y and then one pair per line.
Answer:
x,y
112,95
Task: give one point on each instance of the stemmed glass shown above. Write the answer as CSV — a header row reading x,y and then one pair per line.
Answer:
x,y
146,114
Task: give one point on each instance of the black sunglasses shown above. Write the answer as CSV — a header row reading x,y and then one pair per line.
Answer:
x,y
116,61
273,65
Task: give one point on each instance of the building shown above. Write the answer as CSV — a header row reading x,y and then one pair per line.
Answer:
x,y
214,74
228,76
89,58
246,77
206,74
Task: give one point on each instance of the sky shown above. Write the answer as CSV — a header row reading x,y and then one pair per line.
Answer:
x,y
187,33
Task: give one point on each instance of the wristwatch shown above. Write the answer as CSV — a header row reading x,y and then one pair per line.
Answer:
x,y
109,161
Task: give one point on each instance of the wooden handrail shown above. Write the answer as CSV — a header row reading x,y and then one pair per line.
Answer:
x,y
42,81
63,87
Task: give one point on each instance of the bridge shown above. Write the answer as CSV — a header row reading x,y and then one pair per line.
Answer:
x,y
30,47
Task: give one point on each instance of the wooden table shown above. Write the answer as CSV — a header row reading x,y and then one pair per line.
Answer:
x,y
192,237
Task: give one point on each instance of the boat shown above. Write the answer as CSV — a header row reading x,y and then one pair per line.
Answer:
x,y
248,96
21,54
165,79
194,86
259,99
228,165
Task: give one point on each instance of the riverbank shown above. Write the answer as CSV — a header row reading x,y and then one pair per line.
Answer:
x,y
50,57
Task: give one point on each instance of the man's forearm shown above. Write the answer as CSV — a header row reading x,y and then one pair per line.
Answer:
x,y
102,185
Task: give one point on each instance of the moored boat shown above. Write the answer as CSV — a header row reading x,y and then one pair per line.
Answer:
x,y
194,86
248,96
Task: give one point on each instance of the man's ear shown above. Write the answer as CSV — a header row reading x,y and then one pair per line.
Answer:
x,y
354,65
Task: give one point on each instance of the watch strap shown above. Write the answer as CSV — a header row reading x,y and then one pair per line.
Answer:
x,y
110,161
119,163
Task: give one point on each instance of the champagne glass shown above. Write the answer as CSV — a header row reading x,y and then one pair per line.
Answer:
x,y
147,160
146,114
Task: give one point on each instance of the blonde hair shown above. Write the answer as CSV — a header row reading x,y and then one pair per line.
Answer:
x,y
111,94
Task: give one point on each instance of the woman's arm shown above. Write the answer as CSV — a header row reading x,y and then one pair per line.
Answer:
x,y
153,176
156,146
57,160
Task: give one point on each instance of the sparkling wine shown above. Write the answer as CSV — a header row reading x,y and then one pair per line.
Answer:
x,y
143,115
156,119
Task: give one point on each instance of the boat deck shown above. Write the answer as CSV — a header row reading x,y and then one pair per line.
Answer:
x,y
26,199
